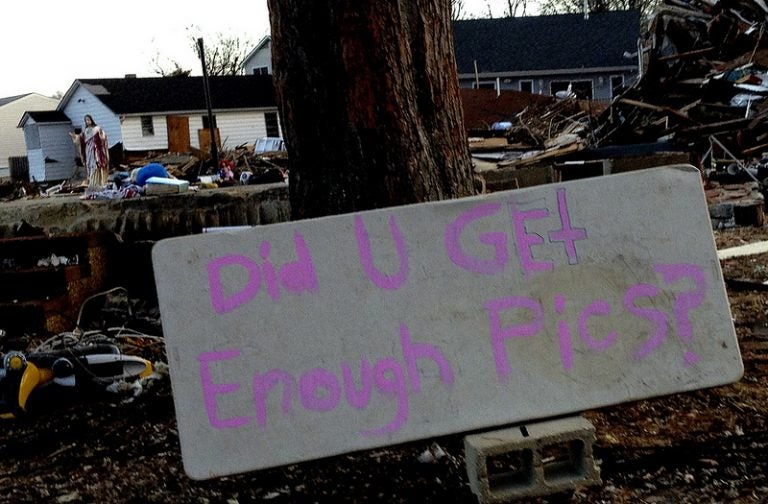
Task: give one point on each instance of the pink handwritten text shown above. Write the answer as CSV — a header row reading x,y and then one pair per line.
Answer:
x,y
295,277
671,274
322,390
525,241
392,282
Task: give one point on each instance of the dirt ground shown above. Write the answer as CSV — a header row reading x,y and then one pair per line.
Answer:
x,y
707,446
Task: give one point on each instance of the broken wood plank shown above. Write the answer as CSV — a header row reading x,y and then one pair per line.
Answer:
x,y
547,154
756,148
687,54
718,127
656,108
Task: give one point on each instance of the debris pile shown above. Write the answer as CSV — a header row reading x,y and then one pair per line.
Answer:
x,y
45,279
13,190
114,363
233,163
704,84
545,131
703,90
244,165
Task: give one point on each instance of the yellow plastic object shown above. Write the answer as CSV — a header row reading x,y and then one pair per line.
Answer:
x,y
15,363
32,377
148,371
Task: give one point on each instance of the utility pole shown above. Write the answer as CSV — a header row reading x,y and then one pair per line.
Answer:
x,y
209,106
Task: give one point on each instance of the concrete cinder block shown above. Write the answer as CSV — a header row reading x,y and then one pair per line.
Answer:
x,y
531,460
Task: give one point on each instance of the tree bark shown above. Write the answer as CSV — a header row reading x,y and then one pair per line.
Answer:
x,y
369,102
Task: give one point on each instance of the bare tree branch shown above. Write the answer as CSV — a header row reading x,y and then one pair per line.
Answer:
x,y
225,56
169,68
457,9
516,8
646,7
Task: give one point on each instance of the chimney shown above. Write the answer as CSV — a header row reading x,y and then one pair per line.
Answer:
x,y
130,76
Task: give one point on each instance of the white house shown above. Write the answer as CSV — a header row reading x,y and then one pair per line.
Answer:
x,y
50,151
141,115
11,110
259,60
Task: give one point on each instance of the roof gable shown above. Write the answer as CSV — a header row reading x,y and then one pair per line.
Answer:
x,y
11,99
43,116
264,41
136,95
535,43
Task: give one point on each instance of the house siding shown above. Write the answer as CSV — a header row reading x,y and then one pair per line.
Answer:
x,y
36,164
84,102
58,147
235,128
601,82
12,142
50,141
260,58
239,128
134,140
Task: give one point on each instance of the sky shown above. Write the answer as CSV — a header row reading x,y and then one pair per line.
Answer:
x,y
45,45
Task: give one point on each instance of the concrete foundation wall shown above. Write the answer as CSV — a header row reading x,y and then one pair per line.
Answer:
x,y
150,217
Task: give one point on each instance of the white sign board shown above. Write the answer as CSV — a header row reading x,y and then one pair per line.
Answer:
x,y
307,339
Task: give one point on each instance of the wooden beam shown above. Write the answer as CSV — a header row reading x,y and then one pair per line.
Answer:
x,y
684,55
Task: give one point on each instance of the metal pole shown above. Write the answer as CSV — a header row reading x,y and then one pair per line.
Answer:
x,y
209,106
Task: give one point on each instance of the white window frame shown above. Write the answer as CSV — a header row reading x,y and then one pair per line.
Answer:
x,y
520,84
147,126
484,85
574,81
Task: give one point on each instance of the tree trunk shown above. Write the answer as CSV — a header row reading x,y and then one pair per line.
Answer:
x,y
370,105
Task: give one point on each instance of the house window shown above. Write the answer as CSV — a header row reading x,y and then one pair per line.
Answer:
x,y
617,81
205,122
261,70
270,119
484,85
582,88
526,85
147,126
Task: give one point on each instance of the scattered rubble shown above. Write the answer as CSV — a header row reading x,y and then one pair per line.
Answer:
x,y
702,92
701,446
233,163
704,85
242,165
542,131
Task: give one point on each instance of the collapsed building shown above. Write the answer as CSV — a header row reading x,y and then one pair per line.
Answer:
x,y
700,99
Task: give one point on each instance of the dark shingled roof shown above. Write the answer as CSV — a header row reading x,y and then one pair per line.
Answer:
x,y
11,99
136,95
563,41
42,116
